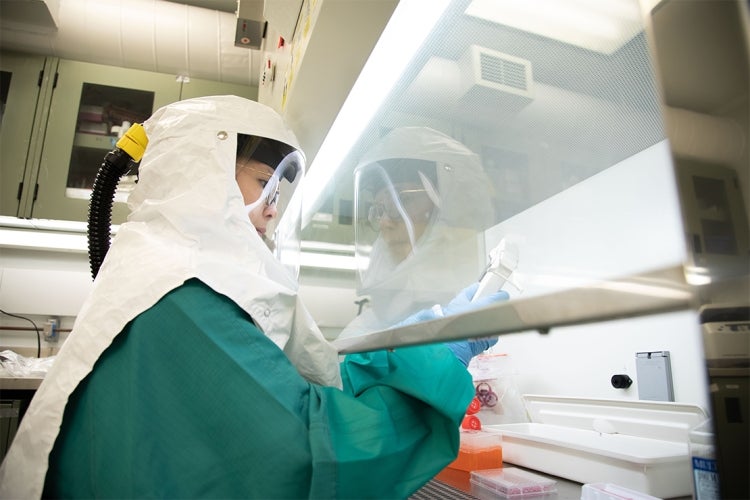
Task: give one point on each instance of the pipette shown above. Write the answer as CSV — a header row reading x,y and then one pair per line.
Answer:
x,y
503,261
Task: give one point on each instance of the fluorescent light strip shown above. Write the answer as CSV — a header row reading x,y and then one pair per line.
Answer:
x,y
320,246
327,261
43,224
600,25
43,240
411,22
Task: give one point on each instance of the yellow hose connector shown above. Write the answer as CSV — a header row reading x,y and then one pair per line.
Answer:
x,y
134,141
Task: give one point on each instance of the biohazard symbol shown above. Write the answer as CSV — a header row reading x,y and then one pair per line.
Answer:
x,y
486,395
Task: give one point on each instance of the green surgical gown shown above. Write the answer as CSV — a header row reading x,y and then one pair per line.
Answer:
x,y
192,400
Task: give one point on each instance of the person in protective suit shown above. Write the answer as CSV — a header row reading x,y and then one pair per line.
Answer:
x,y
422,202
193,370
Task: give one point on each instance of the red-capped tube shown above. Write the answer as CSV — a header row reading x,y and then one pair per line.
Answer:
x,y
474,406
471,423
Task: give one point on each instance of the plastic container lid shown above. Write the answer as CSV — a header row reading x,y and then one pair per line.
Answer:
x,y
511,482
479,440
702,434
609,491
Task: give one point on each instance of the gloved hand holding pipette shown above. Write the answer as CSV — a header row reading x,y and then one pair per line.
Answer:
x,y
463,302
503,261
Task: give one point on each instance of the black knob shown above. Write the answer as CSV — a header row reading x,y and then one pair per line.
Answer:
x,y
621,381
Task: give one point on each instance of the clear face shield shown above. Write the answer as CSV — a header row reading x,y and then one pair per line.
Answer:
x,y
422,202
396,203
268,173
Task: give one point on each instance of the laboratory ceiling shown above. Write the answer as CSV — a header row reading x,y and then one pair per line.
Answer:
x,y
197,41
220,5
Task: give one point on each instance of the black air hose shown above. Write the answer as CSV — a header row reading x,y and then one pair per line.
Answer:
x,y
116,163
100,207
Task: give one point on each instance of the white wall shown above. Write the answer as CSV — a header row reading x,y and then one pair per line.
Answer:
x,y
580,360
45,274
38,285
622,221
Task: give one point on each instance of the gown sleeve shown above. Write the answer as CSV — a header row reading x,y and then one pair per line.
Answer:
x,y
192,400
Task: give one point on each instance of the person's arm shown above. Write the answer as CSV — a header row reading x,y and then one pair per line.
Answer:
x,y
402,426
193,400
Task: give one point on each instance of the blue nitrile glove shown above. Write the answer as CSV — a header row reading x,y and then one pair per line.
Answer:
x,y
463,349
418,317
423,315
459,304
462,302
467,349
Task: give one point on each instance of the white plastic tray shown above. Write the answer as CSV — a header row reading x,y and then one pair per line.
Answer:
x,y
639,444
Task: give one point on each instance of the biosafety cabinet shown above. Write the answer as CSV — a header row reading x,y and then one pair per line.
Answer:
x,y
613,140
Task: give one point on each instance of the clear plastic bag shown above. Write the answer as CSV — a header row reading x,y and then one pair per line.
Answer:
x,y
21,366
496,389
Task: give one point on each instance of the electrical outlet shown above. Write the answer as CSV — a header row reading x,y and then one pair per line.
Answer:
x,y
52,330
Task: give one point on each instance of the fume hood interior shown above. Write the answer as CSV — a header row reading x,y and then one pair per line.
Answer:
x,y
618,156
548,110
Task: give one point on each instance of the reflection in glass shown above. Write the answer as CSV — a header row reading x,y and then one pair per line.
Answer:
x,y
715,218
416,244
543,109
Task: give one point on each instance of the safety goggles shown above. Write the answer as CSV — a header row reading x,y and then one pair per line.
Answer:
x,y
270,187
394,208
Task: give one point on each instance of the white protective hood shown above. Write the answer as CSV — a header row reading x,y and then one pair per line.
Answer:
x,y
450,254
188,220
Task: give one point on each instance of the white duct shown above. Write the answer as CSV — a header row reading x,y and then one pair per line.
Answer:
x,y
554,112
150,35
551,112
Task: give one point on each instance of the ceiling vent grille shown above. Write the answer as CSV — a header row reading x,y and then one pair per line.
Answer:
x,y
493,79
497,70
